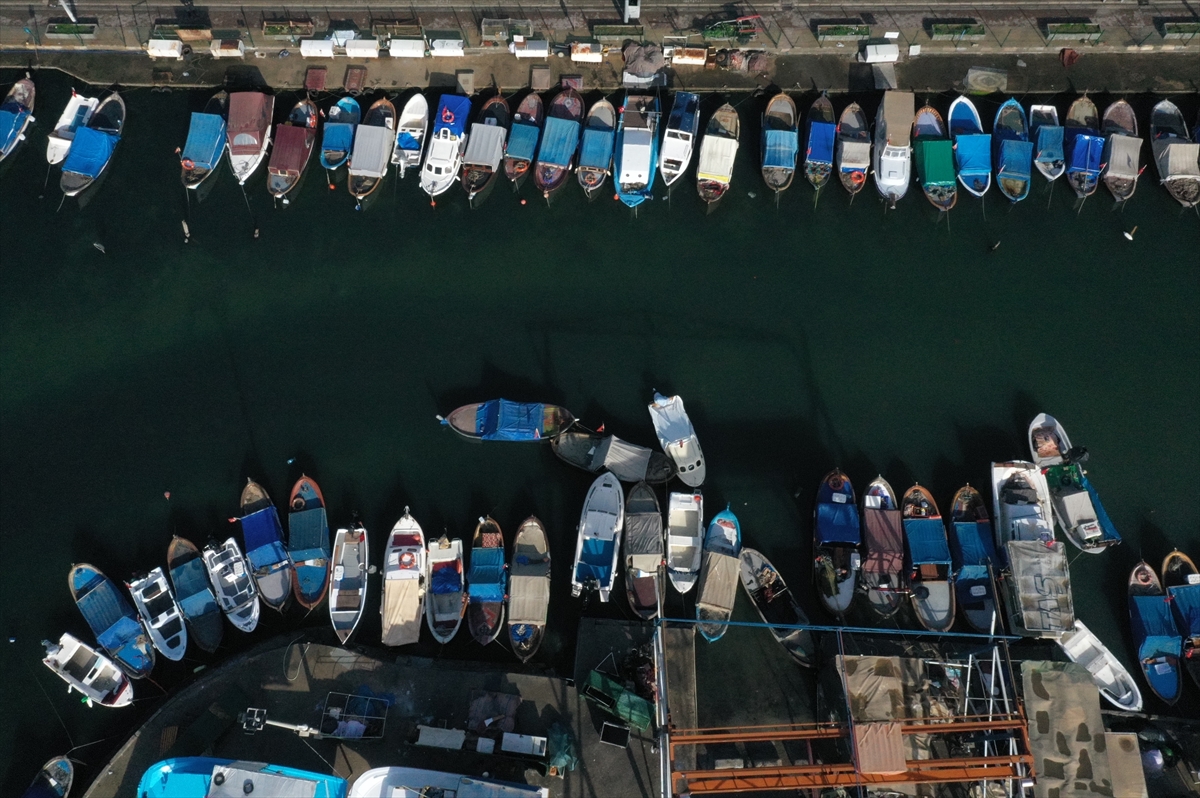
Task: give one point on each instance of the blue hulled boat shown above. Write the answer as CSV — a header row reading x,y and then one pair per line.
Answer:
x,y
818,153
205,142
502,420
637,149
837,537
973,554
929,561
196,600
487,582
719,575
16,112
337,139
1182,579
972,147
93,146
196,776
269,562
1155,634
1012,150
112,619
1084,146
308,542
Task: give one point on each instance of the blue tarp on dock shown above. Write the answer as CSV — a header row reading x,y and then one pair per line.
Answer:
x,y
205,140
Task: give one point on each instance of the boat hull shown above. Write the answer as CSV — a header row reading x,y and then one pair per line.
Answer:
x,y
348,583
112,620
776,604
529,590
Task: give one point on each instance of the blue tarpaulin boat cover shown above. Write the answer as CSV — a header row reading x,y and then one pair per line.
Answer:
x,y
1049,143
502,420
522,142
820,142
780,148
191,587
445,580
205,140
452,113
974,544
973,154
308,535
407,141
927,540
12,119
597,148
1107,528
1185,600
103,608
90,151
264,538
487,578
838,523
1154,629
595,561
339,136
1016,158
559,142
1086,152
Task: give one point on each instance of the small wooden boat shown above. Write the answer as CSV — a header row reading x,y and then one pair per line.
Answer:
x,y
1159,643
263,535
718,575
1122,150
88,672
485,147
596,148
893,149
644,556
160,614
822,132
780,142
523,139
529,589
598,543
928,560
502,420
594,452
1084,146
973,554
836,541
776,605
232,583
487,582
1182,581
196,599
853,148
294,142
16,112
882,576
679,136
447,600
308,542
76,115
560,142
1076,505
685,539
112,620
249,131
1012,151
54,780
678,438
404,583
935,158
337,138
447,143
205,143
1175,155
636,154
972,147
718,150
1112,679
93,146
1047,136
411,130
348,585
373,142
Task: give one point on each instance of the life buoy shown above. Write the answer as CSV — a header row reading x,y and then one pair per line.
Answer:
x,y
407,560
447,116
857,177
188,163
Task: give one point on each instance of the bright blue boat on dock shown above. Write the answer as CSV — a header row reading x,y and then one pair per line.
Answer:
x,y
200,776
972,147
338,136
1084,147
719,575
269,562
1012,150
1159,643
112,619
308,542
637,149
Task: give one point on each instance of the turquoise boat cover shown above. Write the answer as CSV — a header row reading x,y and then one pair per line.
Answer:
x,y
821,136
1086,151
597,149
975,547
522,142
780,148
1016,158
973,153
339,136
1185,602
205,140
559,142
308,535
90,152
191,587
502,420
452,113
595,561
927,540
837,523
191,777
487,579
1049,143
264,538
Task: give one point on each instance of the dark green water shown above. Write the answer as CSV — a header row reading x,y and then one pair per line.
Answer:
x,y
801,339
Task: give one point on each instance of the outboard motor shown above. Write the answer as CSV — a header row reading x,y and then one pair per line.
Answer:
x,y
1077,454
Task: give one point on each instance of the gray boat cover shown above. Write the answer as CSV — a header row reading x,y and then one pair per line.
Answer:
x,y
372,150
898,115
401,611
1066,731
529,597
627,461
718,582
1040,588
644,540
1176,158
856,154
485,146
1124,157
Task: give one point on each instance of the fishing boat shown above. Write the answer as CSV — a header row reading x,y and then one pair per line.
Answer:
x,y
402,782
337,138
528,589
1182,580
1047,135
196,599
295,138
1012,151
594,452
373,141
88,672
443,156
679,136
249,131
560,142
196,776
776,605
502,420
685,538
644,555
1076,505
818,152
1122,150
597,546
112,620
205,141
678,438
935,158
54,780
263,535
1159,643
160,614
928,560
348,584
404,582
882,576
596,149
308,542
1049,444
637,149
1084,146
93,146
836,541
447,601
718,575
411,130
485,147
234,587
893,148
973,555
76,115
853,148
16,112
780,142
1176,157
487,582
972,154
523,140
1111,678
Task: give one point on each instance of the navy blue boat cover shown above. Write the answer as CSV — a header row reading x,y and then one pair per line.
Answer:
x,y
559,142
1154,629
339,137
1049,143
522,142
205,140
597,148
975,545
487,578
191,587
90,151
1185,600
821,136
264,538
308,535
595,561
838,523
1107,528
1016,158
502,420
927,541
1086,151
973,153
445,580
452,113
780,148
103,608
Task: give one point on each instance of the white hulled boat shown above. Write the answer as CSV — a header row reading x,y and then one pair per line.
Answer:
x,y
893,154
600,526
77,114
403,583
160,614
88,672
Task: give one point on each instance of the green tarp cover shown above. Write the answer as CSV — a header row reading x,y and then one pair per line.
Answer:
x,y
935,162
628,706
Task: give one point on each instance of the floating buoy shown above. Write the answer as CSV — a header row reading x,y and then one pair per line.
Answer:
x,y
332,187
1130,233
433,203
167,495
522,202
616,196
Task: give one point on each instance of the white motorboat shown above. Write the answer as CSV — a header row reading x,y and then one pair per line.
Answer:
x,y
1077,507
685,539
679,137
678,438
399,782
233,584
447,589
403,583
1048,441
160,613
410,133
348,585
893,153
77,114
1083,648
447,144
88,672
249,131
529,589
598,546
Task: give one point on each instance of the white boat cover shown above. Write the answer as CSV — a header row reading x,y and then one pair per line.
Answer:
x,y
626,460
1066,730
401,618
718,582
372,149
716,158
485,146
635,156
856,154
528,599
1124,156
1176,159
